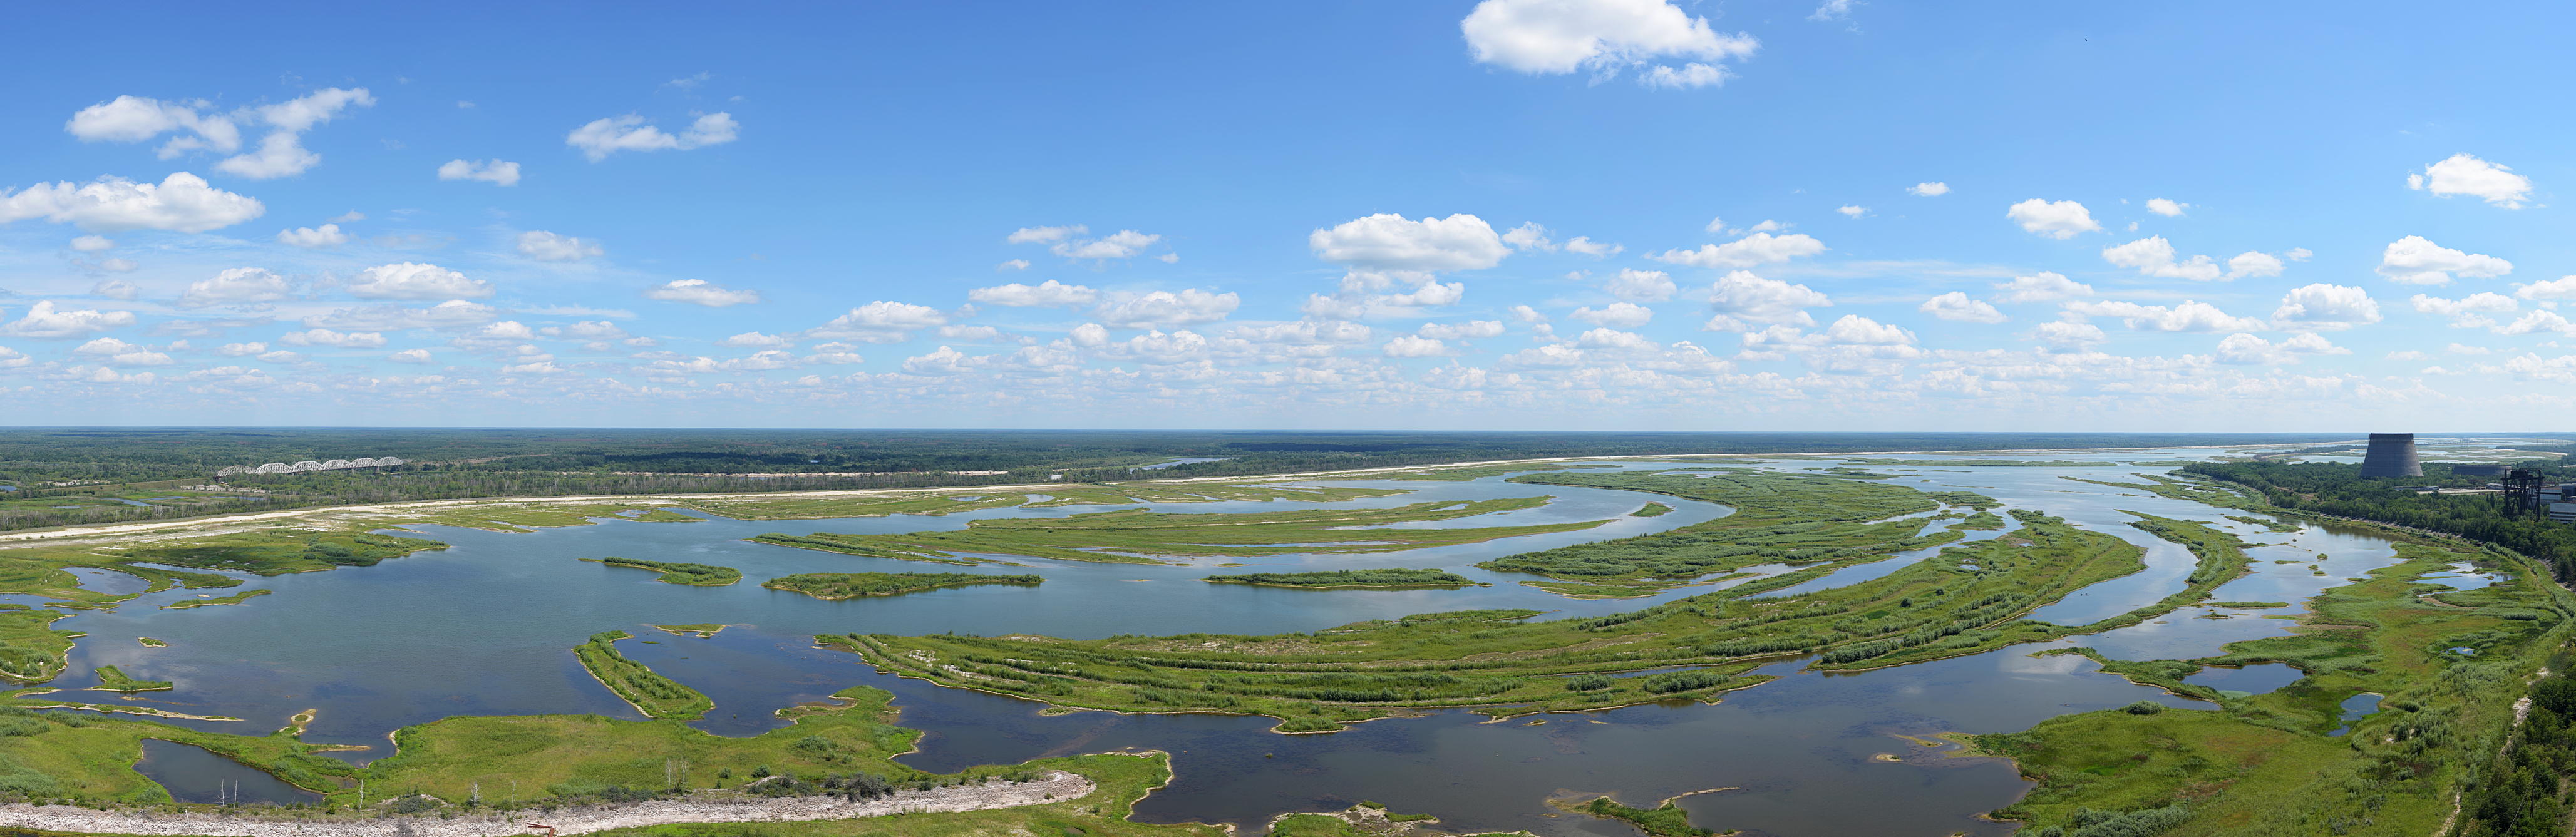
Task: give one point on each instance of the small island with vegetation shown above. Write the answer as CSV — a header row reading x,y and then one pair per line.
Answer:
x,y
651,693
112,680
1392,578
1652,510
694,575
236,598
854,585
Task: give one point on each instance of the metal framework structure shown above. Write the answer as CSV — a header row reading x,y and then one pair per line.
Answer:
x,y
2522,491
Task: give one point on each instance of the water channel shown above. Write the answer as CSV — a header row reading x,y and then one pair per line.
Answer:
x,y
485,628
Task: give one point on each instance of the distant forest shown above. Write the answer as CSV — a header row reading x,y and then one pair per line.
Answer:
x,y
115,472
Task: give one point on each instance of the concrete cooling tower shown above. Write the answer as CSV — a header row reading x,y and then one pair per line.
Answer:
x,y
2391,455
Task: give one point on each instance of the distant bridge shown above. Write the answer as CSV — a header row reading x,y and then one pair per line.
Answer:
x,y
310,465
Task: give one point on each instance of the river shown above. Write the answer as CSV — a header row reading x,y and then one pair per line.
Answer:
x,y
485,628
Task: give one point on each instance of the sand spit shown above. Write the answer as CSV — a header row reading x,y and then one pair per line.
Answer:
x,y
714,806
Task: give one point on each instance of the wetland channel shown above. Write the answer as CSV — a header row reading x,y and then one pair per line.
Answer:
x,y
485,628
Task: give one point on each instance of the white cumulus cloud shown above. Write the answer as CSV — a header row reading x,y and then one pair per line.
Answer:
x,y
1165,308
1410,346
1853,212
181,202
334,339
2249,349
419,356
45,321
2060,220
2468,312
548,247
700,292
1956,306
2153,256
1641,285
1928,189
880,322
2187,317
116,288
416,281
495,171
237,286
313,238
1615,315
2416,261
1667,46
1047,294
1757,249
2324,307
2043,286
2069,337
2466,175
1118,245
2166,208
1467,330
2563,288
1392,242
452,314
602,137
1741,297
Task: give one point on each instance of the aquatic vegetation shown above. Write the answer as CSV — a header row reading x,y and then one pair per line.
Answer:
x,y
1779,517
952,501
1651,510
1980,463
31,651
113,680
855,585
651,693
694,575
1137,536
1966,599
234,599
1983,521
282,550
1335,579
2288,761
702,630
1666,820
149,642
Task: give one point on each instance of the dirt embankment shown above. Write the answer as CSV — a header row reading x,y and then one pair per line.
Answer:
x,y
718,806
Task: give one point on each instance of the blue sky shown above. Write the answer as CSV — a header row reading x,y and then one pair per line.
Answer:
x,y
1576,214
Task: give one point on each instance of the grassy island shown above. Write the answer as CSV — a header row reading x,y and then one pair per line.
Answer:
x,y
855,585
149,642
652,694
1652,510
1136,536
1391,578
112,680
1967,599
234,599
694,575
1779,518
1666,820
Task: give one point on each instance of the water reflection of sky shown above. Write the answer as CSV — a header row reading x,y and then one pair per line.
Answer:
x,y
485,627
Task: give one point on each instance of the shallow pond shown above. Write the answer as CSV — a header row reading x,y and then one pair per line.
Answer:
x,y
2246,680
192,774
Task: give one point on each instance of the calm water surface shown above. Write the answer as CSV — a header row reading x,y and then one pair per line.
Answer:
x,y
485,628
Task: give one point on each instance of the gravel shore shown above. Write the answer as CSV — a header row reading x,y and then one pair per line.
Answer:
x,y
714,806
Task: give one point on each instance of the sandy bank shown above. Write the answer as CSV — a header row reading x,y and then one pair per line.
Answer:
x,y
715,806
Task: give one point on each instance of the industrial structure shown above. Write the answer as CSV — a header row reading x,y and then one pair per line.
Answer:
x,y
2391,455
310,465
